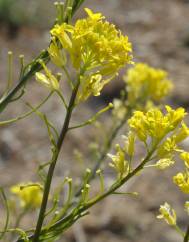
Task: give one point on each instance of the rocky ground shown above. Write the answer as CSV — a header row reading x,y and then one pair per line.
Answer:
x,y
159,31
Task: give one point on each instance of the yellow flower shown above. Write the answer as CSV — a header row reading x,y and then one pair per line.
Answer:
x,y
157,125
91,85
185,157
146,83
182,133
152,123
30,194
175,116
94,16
47,79
60,32
96,47
136,122
167,148
164,163
182,181
168,214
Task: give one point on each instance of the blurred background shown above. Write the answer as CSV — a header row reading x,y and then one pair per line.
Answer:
x,y
159,31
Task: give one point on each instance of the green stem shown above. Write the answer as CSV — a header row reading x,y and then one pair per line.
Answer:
x,y
186,237
106,149
93,118
82,208
53,163
109,143
62,98
36,66
26,114
68,77
115,187
7,213
124,180
179,230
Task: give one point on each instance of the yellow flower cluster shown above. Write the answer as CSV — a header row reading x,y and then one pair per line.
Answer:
x,y
146,83
165,151
155,124
168,214
145,87
94,42
30,194
95,46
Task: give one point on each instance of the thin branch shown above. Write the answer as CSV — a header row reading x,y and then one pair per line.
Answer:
x,y
34,67
106,149
26,114
68,77
82,208
30,70
53,163
62,98
7,213
93,118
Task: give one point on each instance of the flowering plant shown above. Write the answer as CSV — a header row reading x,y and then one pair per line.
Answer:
x,y
96,51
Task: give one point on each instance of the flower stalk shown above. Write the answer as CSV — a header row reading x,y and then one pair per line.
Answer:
x,y
52,166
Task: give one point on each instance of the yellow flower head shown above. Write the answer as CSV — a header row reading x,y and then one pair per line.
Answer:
x,y
30,194
156,124
147,83
94,42
182,181
137,123
96,47
152,123
182,133
168,214
175,116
